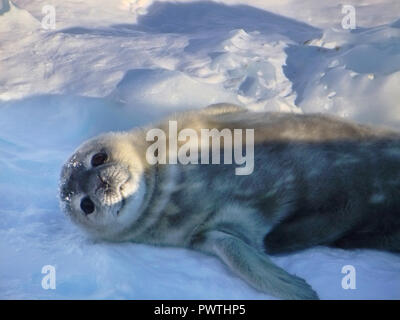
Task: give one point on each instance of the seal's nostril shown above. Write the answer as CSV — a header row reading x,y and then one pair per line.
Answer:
x,y
87,205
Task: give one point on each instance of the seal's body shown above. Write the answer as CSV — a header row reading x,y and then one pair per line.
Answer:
x,y
317,180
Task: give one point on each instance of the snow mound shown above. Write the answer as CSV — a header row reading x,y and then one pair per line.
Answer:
x,y
353,75
14,19
167,90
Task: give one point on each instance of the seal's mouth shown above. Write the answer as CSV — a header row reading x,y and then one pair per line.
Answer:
x,y
122,206
123,202
122,189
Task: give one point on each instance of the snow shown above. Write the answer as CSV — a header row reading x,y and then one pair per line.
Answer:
x,y
113,65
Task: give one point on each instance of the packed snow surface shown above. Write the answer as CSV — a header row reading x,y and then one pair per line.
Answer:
x,y
113,65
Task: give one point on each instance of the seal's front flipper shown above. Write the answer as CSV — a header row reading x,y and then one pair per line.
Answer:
x,y
255,267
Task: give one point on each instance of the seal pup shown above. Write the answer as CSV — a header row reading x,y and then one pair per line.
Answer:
x,y
317,180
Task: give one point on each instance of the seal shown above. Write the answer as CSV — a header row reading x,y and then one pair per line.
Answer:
x,y
316,180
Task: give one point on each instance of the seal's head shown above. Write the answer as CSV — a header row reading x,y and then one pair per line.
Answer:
x,y
102,185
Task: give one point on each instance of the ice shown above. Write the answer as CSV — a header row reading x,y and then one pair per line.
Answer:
x,y
114,65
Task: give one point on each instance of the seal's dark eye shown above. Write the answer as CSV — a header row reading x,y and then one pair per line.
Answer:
x,y
87,205
99,158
